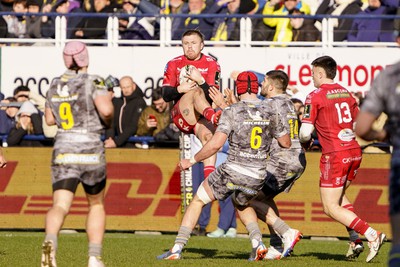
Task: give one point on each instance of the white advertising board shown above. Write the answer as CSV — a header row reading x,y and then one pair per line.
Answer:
x,y
36,66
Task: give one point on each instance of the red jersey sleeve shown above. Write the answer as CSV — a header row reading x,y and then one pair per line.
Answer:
x,y
310,108
170,75
213,74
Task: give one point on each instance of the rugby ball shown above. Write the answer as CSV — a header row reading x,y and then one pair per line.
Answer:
x,y
185,71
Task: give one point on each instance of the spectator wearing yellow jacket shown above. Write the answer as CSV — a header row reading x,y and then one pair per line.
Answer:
x,y
283,29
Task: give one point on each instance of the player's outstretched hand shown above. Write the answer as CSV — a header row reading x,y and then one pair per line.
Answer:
x,y
185,164
217,97
230,96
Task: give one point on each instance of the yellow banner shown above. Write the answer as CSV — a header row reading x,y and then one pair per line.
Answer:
x,y
143,193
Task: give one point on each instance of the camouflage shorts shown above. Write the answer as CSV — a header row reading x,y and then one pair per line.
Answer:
x,y
224,181
83,161
280,177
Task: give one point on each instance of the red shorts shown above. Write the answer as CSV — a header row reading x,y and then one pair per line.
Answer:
x,y
179,121
338,167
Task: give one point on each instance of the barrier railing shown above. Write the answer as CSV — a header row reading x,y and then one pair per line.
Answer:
x,y
165,22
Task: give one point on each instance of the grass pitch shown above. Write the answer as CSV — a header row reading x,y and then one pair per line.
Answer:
x,y
126,249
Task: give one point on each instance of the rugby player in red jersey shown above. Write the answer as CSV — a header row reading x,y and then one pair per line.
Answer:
x,y
331,110
187,79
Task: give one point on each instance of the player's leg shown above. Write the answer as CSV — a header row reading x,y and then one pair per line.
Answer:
x,y
203,196
204,132
249,218
95,223
375,238
289,236
193,104
331,199
198,178
356,246
62,200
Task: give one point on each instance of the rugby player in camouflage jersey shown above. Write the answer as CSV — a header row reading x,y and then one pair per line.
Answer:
x,y
80,106
249,126
284,167
384,96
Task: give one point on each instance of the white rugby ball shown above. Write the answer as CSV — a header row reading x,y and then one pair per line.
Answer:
x,y
185,71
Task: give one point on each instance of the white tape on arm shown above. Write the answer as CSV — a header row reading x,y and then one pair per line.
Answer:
x,y
306,130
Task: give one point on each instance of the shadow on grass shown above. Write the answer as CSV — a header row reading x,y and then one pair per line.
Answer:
x,y
213,253
325,256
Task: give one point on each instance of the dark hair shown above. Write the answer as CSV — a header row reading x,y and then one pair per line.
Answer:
x,y
21,88
296,101
11,99
279,78
193,32
156,94
328,64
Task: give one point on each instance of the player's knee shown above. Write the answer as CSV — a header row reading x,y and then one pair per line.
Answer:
x,y
203,195
205,137
62,206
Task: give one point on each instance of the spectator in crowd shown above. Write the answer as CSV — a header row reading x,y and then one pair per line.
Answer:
x,y
3,161
16,24
61,7
303,29
244,166
6,5
384,97
28,121
225,29
136,28
33,22
175,7
260,30
8,111
332,110
3,28
78,153
23,93
95,27
283,31
371,29
127,108
156,117
195,7
341,26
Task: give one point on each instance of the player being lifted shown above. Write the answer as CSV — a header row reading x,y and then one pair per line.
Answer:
x,y
187,79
